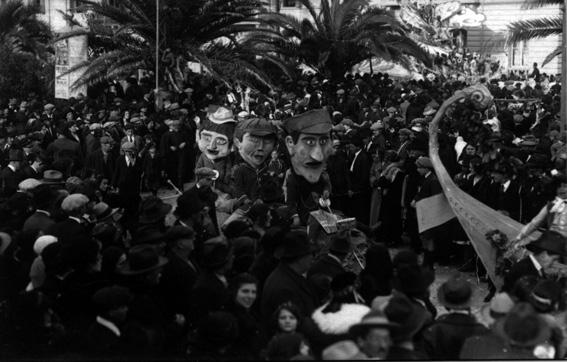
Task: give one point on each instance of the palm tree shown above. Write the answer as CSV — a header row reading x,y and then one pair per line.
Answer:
x,y
21,32
220,35
524,30
25,51
342,34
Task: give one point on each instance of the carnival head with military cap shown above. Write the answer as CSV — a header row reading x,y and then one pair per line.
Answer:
x,y
255,139
215,133
308,142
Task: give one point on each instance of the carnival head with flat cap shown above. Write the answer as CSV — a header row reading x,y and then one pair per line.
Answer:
x,y
215,133
255,139
309,143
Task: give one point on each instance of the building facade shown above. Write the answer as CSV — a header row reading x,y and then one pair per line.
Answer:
x,y
487,39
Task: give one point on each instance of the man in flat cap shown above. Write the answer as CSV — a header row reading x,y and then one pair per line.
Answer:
x,y
127,179
309,144
255,139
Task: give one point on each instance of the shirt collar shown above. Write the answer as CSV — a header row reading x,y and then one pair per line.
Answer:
x,y
506,184
76,219
108,324
536,263
43,212
12,167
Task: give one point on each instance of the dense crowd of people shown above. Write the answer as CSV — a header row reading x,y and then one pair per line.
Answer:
x,y
97,262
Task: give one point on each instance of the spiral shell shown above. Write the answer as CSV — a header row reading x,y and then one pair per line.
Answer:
x,y
479,95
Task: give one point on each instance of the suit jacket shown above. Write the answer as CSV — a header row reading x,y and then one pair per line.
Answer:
x,y
429,187
9,181
360,174
444,339
95,162
285,285
209,294
326,265
68,231
29,172
127,178
510,200
177,281
522,268
101,341
493,347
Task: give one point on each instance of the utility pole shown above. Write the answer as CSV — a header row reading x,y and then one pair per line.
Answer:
x,y
157,101
564,69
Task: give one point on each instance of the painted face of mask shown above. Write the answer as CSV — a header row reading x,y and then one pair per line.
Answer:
x,y
213,145
255,149
309,155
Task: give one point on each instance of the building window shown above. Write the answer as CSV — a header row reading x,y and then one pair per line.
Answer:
x,y
519,54
289,3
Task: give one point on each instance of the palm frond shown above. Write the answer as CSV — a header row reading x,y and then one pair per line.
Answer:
x,y
534,4
534,28
555,53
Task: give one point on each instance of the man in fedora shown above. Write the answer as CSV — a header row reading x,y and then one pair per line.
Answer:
x,y
287,283
444,339
210,292
180,273
331,264
309,144
373,335
11,175
104,337
149,324
402,311
546,250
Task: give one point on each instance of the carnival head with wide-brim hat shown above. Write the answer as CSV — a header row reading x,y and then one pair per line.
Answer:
x,y
142,259
216,133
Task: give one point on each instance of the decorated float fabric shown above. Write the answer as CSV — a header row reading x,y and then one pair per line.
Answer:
x,y
477,219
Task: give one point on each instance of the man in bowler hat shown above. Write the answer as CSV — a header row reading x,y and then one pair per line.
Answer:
x,y
287,282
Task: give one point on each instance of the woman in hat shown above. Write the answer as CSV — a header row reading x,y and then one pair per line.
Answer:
x,y
243,289
330,322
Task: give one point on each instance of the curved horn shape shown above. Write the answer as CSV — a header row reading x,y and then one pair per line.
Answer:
x,y
476,218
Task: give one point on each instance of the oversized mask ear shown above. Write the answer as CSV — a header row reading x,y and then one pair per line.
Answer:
x,y
290,145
